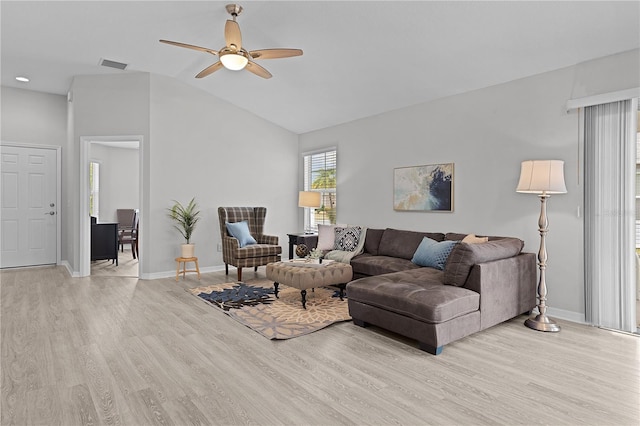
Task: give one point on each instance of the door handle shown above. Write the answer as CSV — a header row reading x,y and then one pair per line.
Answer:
x,y
50,213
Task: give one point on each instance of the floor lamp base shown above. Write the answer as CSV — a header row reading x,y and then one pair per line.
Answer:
x,y
542,323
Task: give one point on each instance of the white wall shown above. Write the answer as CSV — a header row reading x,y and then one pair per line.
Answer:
x,y
103,105
194,145
206,148
37,118
33,117
119,179
486,133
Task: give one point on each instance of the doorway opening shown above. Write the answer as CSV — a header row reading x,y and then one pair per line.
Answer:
x,y
110,181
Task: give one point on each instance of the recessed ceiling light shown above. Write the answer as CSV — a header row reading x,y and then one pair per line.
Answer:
x,y
22,79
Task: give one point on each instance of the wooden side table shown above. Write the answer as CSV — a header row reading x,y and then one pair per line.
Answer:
x,y
310,240
183,261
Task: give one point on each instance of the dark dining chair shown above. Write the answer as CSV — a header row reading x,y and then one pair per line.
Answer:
x,y
132,237
127,224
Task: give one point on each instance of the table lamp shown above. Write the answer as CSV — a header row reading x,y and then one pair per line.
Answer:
x,y
311,200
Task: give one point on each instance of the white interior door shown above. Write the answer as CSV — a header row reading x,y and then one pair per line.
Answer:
x,y
28,221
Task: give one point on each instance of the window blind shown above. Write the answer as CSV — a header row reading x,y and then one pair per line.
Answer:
x,y
320,175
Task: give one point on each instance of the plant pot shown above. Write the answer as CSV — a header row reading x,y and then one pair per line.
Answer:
x,y
188,250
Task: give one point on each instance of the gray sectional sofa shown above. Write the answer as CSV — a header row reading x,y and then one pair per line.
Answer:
x,y
481,285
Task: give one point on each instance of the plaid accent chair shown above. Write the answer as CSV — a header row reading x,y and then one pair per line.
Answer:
x,y
265,251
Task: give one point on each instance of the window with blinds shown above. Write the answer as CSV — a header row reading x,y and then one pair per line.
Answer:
x,y
320,176
94,188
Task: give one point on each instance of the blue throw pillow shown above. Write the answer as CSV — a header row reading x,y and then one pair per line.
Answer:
x,y
240,231
433,253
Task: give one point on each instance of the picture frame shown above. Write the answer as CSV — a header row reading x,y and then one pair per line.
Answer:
x,y
427,188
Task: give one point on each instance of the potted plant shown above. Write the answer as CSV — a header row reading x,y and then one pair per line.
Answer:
x,y
186,218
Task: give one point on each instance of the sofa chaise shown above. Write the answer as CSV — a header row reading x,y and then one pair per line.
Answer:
x,y
481,285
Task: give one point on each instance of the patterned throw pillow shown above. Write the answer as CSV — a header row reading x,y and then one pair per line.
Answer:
x,y
433,253
347,239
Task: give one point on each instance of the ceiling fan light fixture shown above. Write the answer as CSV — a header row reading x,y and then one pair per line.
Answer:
x,y
233,61
233,56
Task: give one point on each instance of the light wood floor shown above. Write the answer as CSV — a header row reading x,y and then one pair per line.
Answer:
x,y
118,351
127,266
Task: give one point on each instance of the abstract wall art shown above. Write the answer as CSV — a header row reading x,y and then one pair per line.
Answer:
x,y
423,188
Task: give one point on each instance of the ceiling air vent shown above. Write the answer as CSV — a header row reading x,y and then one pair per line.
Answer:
x,y
113,64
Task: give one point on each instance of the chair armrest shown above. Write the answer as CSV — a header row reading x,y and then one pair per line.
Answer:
x,y
230,245
267,239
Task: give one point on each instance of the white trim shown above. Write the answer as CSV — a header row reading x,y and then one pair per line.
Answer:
x,y
604,98
58,150
85,240
319,151
72,273
172,273
566,315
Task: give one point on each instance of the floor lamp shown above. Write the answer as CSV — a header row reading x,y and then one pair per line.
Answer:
x,y
311,200
542,177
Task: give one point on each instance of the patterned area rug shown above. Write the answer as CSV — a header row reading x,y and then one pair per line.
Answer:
x,y
254,305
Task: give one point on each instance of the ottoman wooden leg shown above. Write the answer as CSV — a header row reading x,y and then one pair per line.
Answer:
x,y
342,287
303,293
275,289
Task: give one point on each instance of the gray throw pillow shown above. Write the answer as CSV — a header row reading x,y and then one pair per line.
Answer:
x,y
464,256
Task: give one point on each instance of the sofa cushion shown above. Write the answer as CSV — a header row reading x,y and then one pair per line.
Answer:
x,y
433,253
464,256
258,250
368,264
403,244
372,240
418,294
454,236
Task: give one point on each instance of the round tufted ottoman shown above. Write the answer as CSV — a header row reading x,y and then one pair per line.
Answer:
x,y
309,275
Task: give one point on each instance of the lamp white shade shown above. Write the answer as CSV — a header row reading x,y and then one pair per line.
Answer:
x,y
309,199
542,177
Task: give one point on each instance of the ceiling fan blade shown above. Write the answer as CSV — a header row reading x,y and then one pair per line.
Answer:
x,y
275,53
209,70
232,34
258,70
190,46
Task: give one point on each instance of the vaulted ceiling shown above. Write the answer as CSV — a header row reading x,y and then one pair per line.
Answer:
x,y
360,58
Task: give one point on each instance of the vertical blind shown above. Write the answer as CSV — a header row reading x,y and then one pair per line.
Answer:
x,y
610,259
320,175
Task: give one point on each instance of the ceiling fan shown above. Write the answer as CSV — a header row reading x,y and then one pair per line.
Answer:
x,y
233,56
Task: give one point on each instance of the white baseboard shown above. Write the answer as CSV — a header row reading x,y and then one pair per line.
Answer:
x,y
564,315
72,273
172,273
